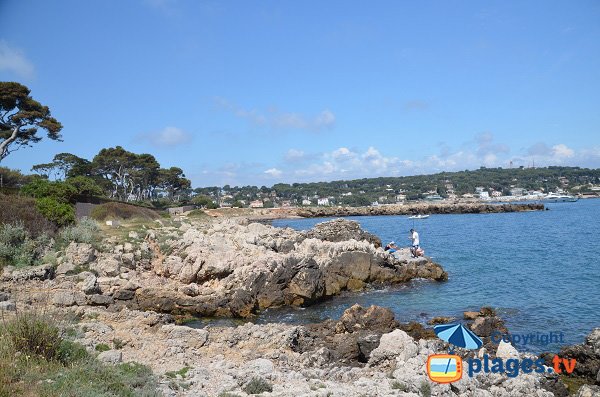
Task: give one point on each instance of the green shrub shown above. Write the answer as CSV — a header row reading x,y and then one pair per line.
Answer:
x,y
36,361
85,231
425,389
257,386
399,386
17,248
122,211
102,347
56,211
197,213
33,334
182,372
22,210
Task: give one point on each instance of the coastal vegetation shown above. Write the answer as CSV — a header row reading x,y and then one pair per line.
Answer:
x,y
37,358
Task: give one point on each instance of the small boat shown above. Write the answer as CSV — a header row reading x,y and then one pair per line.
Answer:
x,y
560,198
418,216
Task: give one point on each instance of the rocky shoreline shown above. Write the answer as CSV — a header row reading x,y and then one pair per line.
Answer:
x,y
126,292
390,209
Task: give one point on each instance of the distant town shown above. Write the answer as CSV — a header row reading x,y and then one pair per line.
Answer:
x,y
485,184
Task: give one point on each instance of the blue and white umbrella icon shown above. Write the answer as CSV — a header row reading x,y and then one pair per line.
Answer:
x,y
458,335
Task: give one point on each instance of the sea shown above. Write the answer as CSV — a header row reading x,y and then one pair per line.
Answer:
x,y
540,270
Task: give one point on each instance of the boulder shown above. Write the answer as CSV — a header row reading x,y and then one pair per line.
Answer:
x,y
186,336
374,318
396,345
341,230
8,306
111,357
65,267
90,285
484,326
41,272
67,298
470,315
79,254
308,282
124,294
100,300
505,350
589,391
107,265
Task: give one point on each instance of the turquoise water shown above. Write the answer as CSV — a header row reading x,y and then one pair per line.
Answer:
x,y
540,270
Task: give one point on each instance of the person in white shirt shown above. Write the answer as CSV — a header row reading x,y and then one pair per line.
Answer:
x,y
414,236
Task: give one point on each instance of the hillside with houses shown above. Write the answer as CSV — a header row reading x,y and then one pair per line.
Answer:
x,y
495,184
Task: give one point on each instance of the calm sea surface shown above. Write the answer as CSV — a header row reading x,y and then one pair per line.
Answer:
x,y
540,270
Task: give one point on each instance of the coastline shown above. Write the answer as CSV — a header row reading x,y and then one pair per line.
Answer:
x,y
264,214
366,352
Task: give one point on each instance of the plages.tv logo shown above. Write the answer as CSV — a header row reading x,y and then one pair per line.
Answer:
x,y
447,368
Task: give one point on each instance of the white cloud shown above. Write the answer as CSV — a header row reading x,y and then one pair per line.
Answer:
x,y
294,155
274,172
277,120
14,60
562,151
167,137
342,153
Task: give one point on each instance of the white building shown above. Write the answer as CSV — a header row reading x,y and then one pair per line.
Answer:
x,y
484,195
517,191
306,202
256,204
323,201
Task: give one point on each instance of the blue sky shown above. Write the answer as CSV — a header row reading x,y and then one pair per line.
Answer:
x,y
289,91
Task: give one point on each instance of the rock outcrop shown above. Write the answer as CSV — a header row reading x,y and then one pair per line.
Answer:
x,y
235,269
364,353
587,355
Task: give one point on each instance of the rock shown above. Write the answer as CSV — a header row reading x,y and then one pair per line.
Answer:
x,y
375,318
187,336
366,345
589,391
487,311
4,296
308,282
190,289
593,340
65,268
90,285
41,272
106,265
484,326
133,234
470,315
67,298
8,306
263,271
111,357
79,254
100,300
441,320
124,294
128,260
505,350
394,345
341,230
260,366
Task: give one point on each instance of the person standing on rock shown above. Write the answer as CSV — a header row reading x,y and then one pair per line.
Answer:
x,y
414,236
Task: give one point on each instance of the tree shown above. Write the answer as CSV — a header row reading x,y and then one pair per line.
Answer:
x,y
173,180
20,118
